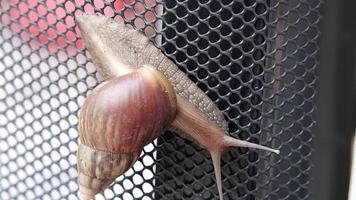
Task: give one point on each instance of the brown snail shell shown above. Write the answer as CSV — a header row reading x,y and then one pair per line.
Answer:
x,y
117,120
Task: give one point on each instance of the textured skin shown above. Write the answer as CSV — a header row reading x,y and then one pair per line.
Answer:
x,y
124,114
113,44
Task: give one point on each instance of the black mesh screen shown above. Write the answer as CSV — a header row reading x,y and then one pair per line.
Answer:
x,y
255,59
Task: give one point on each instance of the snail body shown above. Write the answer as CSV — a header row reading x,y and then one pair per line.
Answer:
x,y
145,95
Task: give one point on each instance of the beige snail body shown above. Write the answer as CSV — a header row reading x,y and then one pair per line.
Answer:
x,y
119,53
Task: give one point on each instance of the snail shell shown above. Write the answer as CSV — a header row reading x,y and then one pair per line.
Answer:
x,y
117,120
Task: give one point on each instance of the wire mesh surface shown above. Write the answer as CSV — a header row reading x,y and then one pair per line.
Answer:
x,y
255,59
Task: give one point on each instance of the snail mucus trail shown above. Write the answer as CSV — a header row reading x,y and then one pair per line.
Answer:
x,y
144,94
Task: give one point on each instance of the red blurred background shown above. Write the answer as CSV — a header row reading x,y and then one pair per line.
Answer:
x,y
51,22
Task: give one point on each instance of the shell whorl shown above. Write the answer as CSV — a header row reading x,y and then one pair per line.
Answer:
x,y
98,169
126,113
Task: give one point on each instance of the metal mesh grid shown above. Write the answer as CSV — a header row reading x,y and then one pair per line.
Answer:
x,y
255,59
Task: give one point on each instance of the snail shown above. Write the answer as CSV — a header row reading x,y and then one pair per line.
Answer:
x,y
145,93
